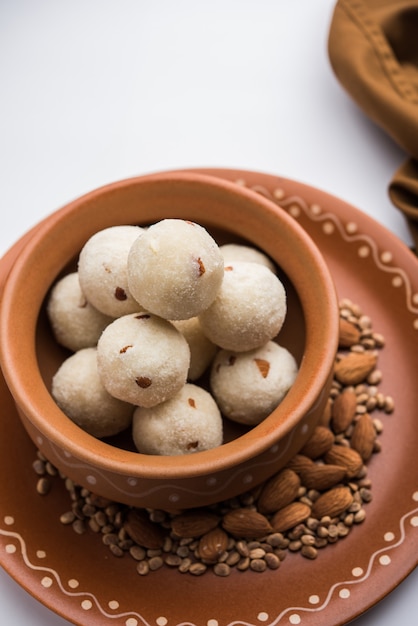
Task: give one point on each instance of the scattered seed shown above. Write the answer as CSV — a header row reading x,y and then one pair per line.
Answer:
x,y
43,486
222,569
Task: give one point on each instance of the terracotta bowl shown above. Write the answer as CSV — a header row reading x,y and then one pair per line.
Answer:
x,y
112,468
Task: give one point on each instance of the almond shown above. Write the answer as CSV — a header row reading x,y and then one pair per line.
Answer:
x,y
299,462
343,410
194,523
322,477
263,366
345,457
290,516
212,545
325,418
349,334
332,503
143,531
319,442
363,436
355,367
246,523
278,491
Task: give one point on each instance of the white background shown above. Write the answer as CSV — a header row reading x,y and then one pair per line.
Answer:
x,y
93,90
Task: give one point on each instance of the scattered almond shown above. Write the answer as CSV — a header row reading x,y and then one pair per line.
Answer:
x,y
212,545
363,436
343,410
325,418
319,442
332,503
279,491
194,523
355,367
349,334
345,457
142,530
290,516
246,523
299,462
322,477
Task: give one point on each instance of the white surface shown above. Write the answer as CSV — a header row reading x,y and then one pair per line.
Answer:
x,y
94,90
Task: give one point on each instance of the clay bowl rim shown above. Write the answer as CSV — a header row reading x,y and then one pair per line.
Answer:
x,y
34,400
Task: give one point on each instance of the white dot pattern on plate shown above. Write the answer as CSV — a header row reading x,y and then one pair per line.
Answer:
x,y
397,281
9,520
357,572
351,228
46,582
416,324
39,441
73,583
294,210
161,621
316,209
262,617
91,479
41,554
386,257
131,621
211,481
363,251
415,298
294,618
278,193
174,497
212,622
384,559
328,228
389,536
86,605
247,479
314,599
10,548
344,593
414,521
132,482
113,604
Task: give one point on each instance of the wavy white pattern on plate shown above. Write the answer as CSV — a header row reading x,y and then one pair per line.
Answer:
x,y
294,204
295,614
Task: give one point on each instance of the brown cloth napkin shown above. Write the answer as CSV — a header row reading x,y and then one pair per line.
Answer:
x,y
373,50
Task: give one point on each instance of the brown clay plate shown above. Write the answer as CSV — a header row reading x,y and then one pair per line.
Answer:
x,y
79,579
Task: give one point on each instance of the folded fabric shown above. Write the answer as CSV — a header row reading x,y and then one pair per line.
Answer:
x,y
373,50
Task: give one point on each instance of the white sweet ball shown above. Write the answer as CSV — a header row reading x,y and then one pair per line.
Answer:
x,y
102,268
248,386
142,359
202,350
249,309
75,323
78,391
175,269
187,423
233,252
